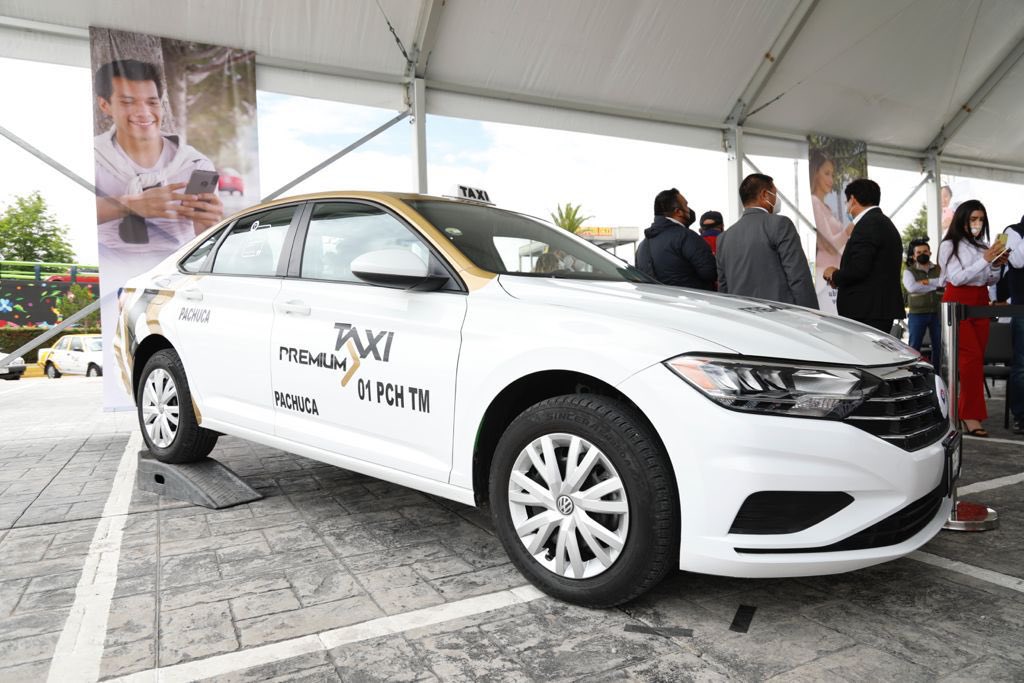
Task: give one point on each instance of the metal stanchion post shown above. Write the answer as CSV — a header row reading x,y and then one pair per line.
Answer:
x,y
964,516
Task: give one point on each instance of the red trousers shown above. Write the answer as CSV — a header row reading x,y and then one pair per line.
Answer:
x,y
971,351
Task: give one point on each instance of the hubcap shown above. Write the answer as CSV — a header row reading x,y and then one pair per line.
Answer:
x,y
160,408
568,505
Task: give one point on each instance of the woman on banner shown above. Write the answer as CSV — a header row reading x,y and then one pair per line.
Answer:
x,y
832,235
969,265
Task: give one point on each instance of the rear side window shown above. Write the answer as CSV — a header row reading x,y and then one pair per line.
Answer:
x,y
76,344
253,247
339,232
194,261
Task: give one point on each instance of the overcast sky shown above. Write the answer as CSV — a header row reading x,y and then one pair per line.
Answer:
x,y
523,168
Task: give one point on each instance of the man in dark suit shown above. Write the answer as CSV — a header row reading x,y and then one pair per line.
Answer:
x,y
761,256
868,277
671,253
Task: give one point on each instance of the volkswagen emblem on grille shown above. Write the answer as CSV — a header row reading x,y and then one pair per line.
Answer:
x,y
565,505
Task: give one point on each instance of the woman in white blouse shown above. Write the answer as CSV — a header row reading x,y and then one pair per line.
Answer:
x,y
969,266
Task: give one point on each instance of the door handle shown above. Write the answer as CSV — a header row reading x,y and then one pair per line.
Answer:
x,y
293,307
193,294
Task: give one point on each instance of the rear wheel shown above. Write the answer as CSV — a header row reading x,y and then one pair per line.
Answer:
x,y
93,371
583,500
169,425
51,371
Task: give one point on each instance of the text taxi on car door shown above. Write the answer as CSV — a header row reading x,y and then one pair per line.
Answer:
x,y
617,427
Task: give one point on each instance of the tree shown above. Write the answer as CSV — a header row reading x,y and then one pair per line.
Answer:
x,y
569,217
78,297
29,232
919,228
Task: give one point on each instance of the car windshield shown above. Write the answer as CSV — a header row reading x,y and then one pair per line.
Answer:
x,y
510,243
95,344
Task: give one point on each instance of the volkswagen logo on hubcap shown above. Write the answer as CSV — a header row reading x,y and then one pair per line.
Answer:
x,y
565,505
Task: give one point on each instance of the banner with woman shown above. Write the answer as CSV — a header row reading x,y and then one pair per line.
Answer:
x,y
833,163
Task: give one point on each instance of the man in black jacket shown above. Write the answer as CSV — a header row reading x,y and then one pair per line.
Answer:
x,y
671,253
868,277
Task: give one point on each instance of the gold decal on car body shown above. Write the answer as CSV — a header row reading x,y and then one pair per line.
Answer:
x,y
355,363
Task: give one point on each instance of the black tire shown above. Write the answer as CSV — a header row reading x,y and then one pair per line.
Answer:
x,y
190,442
651,542
51,371
93,371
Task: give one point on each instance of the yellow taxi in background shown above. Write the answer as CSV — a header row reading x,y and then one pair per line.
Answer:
x,y
73,354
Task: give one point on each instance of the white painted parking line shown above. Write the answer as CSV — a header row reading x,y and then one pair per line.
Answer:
x,y
80,647
1004,580
992,439
328,640
990,484
19,385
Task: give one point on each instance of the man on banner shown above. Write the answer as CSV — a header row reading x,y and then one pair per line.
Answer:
x,y
140,172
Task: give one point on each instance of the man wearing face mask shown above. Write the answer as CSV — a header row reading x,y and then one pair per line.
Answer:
x,y
671,253
922,280
868,277
760,255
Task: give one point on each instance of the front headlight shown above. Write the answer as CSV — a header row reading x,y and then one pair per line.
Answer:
x,y
777,388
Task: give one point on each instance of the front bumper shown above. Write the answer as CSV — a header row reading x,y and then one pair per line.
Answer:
x,y
12,371
720,457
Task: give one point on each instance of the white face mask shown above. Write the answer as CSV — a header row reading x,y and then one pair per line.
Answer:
x,y
976,231
777,206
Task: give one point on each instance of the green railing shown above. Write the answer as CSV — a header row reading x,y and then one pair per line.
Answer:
x,y
35,271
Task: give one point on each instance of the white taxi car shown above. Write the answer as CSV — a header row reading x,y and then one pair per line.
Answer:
x,y
618,428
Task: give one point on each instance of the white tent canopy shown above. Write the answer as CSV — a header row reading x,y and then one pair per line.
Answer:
x,y
907,76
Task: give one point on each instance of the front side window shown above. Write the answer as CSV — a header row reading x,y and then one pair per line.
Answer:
x,y
194,261
510,243
339,232
253,247
62,344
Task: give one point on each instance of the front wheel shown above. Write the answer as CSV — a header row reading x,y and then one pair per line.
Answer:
x,y
51,371
583,500
169,425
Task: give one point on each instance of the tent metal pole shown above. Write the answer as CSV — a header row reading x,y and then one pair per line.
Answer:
x,y
911,195
419,134
785,200
977,98
732,140
330,160
933,199
49,161
770,61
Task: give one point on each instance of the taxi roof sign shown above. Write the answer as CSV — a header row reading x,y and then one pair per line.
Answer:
x,y
474,194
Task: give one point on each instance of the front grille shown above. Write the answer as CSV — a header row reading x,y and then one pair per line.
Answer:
x,y
894,529
903,410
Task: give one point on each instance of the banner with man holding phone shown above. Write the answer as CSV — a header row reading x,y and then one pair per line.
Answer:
x,y
172,122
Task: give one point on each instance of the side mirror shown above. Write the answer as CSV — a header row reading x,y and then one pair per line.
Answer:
x,y
399,268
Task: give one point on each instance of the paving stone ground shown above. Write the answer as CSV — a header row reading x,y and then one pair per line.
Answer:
x,y
327,548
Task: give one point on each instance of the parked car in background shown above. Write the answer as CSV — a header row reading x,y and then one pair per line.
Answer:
x,y
74,354
231,181
82,276
14,370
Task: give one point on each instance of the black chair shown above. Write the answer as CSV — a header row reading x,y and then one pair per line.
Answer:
x,y
998,359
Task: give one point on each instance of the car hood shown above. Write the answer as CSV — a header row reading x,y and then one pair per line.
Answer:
x,y
752,327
